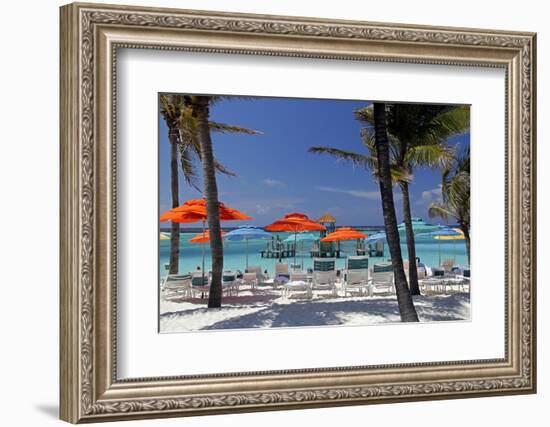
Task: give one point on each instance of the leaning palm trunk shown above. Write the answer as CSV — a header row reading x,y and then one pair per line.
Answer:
x,y
411,249
466,232
201,112
404,299
174,185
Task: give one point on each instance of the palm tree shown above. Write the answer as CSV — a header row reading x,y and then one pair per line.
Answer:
x,y
376,139
418,135
200,107
200,113
455,191
183,137
171,110
404,298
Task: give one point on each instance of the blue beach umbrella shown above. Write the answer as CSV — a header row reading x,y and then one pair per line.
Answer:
x,y
443,231
376,237
302,237
246,233
418,226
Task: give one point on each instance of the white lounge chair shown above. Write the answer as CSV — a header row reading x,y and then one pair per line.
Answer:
x,y
432,285
443,285
259,275
381,277
298,283
200,284
230,284
357,274
422,273
464,275
324,274
420,270
177,284
249,279
281,268
296,276
447,265
282,274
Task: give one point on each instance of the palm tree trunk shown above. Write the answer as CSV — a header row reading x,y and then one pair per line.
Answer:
x,y
466,232
404,299
411,249
174,185
201,112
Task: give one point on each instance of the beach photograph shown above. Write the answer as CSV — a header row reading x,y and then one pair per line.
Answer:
x,y
288,212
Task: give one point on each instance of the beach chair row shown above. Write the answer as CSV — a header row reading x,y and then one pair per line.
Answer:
x,y
356,278
197,284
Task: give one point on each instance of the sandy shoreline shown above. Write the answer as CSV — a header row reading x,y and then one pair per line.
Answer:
x,y
269,309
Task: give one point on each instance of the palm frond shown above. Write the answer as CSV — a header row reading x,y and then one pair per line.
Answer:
x,y
215,99
439,210
225,128
463,161
457,190
194,145
188,166
400,174
190,100
367,138
365,115
170,107
222,169
448,123
430,155
454,121
358,160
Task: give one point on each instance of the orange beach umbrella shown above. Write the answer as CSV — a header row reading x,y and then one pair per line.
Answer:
x,y
203,237
194,210
344,233
295,222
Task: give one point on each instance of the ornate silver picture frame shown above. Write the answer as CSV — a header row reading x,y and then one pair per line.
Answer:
x,y
91,35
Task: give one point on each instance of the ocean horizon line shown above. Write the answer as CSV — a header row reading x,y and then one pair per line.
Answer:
x,y
199,229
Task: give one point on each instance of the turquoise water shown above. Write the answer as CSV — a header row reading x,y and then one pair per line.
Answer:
x,y
427,249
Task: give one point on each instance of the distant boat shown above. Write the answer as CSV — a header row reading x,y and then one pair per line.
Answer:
x,y
419,226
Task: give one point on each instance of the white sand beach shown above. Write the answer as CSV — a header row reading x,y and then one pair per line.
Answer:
x,y
269,308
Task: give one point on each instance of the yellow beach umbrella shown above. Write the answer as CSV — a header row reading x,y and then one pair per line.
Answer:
x,y
459,236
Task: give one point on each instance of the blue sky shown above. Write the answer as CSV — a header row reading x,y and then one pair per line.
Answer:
x,y
277,175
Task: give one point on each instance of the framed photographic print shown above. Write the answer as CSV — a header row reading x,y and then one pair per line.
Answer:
x,y
265,212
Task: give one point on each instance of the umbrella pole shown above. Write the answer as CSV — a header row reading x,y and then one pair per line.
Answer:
x,y
246,239
202,283
295,248
454,251
439,250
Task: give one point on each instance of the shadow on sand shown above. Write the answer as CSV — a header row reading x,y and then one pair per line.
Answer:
x,y
331,312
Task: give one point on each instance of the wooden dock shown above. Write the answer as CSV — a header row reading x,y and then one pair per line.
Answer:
x,y
279,250
278,253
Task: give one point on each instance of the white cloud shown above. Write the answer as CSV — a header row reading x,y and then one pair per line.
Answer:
x,y
271,206
273,183
433,195
426,198
370,195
